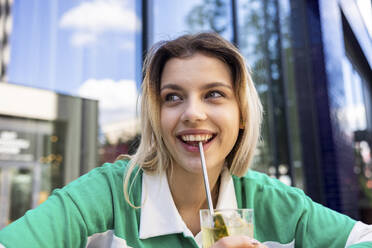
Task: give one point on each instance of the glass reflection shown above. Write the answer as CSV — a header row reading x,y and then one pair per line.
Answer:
x,y
190,17
252,39
88,48
354,111
355,119
31,164
294,150
21,193
260,42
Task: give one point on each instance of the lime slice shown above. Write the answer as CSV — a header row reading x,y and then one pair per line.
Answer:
x,y
220,228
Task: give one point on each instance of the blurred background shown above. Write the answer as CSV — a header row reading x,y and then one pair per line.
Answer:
x,y
70,76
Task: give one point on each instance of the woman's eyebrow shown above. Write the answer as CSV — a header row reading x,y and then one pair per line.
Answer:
x,y
206,86
171,86
217,84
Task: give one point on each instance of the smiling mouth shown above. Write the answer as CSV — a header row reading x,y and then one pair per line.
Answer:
x,y
193,140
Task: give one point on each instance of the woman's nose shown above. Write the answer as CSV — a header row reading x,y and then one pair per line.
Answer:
x,y
194,111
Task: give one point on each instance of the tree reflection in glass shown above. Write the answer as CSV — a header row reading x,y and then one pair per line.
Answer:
x,y
191,17
209,15
260,41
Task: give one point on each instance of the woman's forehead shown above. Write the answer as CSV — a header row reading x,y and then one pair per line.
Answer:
x,y
198,67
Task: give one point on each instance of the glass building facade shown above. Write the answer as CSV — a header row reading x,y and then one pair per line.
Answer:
x,y
310,60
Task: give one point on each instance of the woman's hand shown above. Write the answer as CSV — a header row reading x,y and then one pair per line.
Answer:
x,y
238,242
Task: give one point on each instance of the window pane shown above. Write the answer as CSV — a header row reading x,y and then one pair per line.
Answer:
x,y
190,17
260,41
253,44
21,194
287,71
82,48
354,116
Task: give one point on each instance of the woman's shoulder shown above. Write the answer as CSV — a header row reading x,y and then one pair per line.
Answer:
x,y
106,174
119,167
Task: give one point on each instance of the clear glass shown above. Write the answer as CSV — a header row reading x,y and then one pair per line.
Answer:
x,y
90,49
191,17
262,52
20,192
225,222
269,54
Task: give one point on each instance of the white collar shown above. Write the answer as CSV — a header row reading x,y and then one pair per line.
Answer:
x,y
159,215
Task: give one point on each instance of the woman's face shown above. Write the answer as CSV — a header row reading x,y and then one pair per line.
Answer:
x,y
198,103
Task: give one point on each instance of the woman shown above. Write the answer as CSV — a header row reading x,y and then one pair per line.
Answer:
x,y
196,89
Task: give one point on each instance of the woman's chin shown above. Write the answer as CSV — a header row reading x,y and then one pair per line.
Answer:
x,y
191,166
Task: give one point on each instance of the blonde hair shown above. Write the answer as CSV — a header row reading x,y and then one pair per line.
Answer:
x,y
152,154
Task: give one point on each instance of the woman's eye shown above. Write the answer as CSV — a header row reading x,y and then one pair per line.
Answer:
x,y
172,98
214,94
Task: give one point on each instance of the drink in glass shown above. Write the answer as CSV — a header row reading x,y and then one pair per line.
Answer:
x,y
225,222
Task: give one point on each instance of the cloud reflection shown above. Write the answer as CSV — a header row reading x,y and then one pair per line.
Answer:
x,y
89,19
117,100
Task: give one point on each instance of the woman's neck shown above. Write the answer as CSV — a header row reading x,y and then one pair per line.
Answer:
x,y
189,196
188,188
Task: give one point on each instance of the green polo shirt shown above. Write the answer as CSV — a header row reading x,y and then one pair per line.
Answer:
x,y
92,212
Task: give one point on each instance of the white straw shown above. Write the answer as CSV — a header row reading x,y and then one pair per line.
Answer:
x,y
206,181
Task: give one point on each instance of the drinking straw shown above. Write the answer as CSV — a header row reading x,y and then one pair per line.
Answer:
x,y
206,181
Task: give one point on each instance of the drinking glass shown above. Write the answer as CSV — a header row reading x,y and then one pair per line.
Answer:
x,y
225,222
